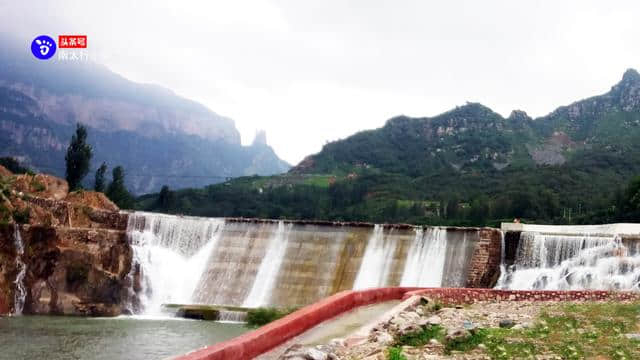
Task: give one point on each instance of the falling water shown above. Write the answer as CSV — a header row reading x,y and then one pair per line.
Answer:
x,y
20,291
376,261
426,258
172,253
269,267
572,262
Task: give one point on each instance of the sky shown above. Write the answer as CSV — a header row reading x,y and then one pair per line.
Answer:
x,y
310,72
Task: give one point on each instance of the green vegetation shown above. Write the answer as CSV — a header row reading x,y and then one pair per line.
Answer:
x,y
78,158
422,337
394,353
100,182
261,316
14,166
22,216
574,331
117,192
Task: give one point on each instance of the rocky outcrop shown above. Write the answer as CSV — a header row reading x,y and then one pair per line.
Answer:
x,y
68,271
73,249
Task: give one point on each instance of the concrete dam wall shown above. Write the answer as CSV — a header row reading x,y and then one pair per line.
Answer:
x,y
255,263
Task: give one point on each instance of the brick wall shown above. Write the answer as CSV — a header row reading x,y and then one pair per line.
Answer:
x,y
468,296
484,268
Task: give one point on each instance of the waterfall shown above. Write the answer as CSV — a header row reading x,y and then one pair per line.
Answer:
x,y
20,290
269,267
376,261
573,262
426,258
503,266
172,253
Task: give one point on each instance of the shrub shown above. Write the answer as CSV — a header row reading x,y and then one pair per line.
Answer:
x,y
22,216
261,316
395,353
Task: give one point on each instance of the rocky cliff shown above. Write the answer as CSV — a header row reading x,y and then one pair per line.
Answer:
x,y
61,253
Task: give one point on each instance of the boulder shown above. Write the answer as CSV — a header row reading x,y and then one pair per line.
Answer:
x,y
506,323
455,334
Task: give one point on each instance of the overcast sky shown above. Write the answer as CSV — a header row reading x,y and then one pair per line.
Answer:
x,y
309,72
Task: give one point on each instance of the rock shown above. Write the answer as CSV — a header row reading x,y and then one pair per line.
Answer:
x,y
384,338
433,320
457,334
339,342
92,198
425,300
506,323
518,327
482,347
434,342
633,336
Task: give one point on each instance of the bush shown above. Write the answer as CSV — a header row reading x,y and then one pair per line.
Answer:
x,y
22,216
262,316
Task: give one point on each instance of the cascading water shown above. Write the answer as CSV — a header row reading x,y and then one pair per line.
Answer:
x,y
426,258
572,262
20,291
172,253
376,261
269,267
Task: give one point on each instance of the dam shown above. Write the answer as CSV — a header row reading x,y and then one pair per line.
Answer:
x,y
253,263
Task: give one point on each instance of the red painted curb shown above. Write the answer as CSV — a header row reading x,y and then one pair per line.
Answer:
x,y
254,343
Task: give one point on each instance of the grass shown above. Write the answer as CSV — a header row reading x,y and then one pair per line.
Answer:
x,y
395,353
422,337
572,331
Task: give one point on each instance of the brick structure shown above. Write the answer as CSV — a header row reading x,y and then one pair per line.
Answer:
x,y
484,268
469,296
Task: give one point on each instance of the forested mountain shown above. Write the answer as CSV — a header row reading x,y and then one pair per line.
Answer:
x,y
157,136
469,164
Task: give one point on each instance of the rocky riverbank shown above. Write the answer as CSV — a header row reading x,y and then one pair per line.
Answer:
x,y
493,330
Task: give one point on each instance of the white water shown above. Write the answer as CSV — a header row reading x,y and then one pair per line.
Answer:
x,y
20,291
426,258
269,267
376,261
172,253
573,262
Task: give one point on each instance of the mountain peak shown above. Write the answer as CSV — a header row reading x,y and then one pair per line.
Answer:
x,y
631,75
260,139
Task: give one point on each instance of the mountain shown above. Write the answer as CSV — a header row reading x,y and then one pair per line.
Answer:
x,y
467,164
158,137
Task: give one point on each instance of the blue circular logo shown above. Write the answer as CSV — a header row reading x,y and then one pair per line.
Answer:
x,y
43,47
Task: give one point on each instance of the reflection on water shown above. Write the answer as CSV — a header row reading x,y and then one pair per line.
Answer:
x,y
57,338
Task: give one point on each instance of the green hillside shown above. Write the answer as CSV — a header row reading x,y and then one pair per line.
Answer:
x,y
469,165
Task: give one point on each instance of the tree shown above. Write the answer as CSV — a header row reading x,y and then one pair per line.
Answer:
x,y
78,157
99,182
14,166
165,198
117,192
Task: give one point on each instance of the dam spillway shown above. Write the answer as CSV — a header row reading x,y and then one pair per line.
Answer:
x,y
600,257
287,263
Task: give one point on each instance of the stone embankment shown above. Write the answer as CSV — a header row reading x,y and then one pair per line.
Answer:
x,y
75,252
